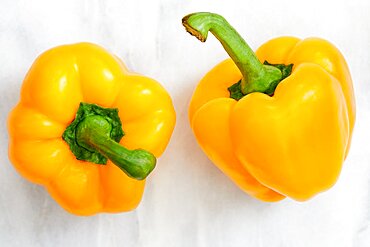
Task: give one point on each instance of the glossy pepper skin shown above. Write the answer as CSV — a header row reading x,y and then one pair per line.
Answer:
x,y
58,81
291,143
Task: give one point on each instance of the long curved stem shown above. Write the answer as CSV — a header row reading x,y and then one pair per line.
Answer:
x,y
256,76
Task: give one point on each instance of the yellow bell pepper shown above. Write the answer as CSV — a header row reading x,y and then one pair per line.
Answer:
x,y
64,132
278,122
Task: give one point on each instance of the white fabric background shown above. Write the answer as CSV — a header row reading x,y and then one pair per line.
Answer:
x,y
188,201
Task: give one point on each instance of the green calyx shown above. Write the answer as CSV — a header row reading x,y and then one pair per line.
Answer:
x,y
110,120
94,135
236,91
256,77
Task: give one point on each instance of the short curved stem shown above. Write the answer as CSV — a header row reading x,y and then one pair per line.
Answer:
x,y
256,76
93,133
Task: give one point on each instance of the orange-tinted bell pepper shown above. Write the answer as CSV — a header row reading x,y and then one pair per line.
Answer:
x,y
278,122
64,132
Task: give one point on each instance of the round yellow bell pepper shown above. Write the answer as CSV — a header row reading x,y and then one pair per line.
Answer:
x,y
64,132
278,122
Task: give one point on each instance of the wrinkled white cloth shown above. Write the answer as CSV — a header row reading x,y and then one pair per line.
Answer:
x,y
188,201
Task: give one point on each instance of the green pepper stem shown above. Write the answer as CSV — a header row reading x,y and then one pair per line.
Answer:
x,y
93,134
256,76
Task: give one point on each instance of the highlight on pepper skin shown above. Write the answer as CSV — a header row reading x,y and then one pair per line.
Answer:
x,y
277,122
89,130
